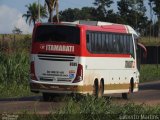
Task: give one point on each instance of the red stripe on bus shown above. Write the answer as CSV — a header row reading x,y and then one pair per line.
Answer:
x,y
40,47
108,28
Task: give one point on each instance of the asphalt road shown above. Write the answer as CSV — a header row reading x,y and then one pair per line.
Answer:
x,y
149,93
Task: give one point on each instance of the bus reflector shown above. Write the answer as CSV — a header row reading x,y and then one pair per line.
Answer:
x,y
79,75
32,74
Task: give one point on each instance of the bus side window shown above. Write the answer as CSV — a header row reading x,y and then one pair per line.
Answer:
x,y
92,42
99,41
128,43
136,41
121,44
88,37
131,46
114,43
110,44
125,43
117,44
95,42
103,50
106,43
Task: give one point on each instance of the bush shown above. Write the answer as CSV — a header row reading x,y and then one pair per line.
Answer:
x,y
149,73
14,74
14,68
90,108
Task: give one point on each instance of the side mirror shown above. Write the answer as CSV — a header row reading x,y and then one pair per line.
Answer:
x,y
144,48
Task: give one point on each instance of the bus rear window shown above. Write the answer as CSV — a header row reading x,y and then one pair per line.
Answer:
x,y
55,33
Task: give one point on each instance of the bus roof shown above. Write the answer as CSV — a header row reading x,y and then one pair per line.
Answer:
x,y
105,25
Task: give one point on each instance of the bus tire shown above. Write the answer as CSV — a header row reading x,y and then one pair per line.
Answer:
x,y
101,89
95,88
47,96
132,85
125,96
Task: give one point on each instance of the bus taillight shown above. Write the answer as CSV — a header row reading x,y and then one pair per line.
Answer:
x,y
32,73
79,75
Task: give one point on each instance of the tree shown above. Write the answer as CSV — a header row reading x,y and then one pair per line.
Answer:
x,y
103,8
86,13
156,9
32,13
113,17
16,30
69,14
132,12
152,30
52,5
123,7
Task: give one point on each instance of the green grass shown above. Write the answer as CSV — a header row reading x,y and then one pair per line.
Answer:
x,y
149,73
10,45
14,66
90,108
14,91
14,75
14,36
147,41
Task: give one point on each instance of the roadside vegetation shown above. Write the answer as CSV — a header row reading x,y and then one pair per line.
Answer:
x,y
90,108
14,69
14,66
149,73
150,41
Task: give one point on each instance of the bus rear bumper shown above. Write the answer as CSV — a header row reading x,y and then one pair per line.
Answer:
x,y
55,88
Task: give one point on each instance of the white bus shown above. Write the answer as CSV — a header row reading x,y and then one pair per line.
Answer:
x,y
84,57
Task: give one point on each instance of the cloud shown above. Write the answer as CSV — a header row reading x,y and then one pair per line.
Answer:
x,y
10,18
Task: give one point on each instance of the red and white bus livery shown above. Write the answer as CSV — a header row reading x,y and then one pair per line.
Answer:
x,y
84,57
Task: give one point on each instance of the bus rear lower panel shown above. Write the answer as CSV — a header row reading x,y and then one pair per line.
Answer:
x,y
55,88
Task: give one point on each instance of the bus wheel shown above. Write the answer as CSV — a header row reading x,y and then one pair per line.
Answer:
x,y
132,85
48,96
101,89
95,88
125,96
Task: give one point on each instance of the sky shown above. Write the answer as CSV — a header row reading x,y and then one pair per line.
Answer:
x,y
11,12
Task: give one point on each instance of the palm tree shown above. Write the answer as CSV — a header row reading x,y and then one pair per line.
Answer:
x,y
52,5
32,13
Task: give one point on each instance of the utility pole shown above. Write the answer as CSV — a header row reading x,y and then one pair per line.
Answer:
x,y
135,8
151,16
38,11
